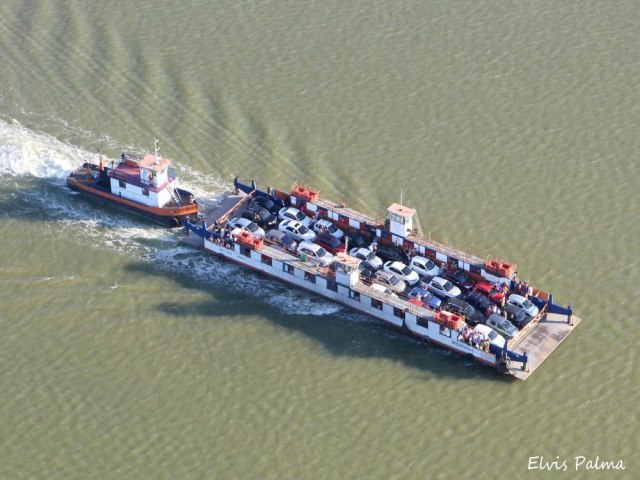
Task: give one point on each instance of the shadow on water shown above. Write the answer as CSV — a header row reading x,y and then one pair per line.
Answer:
x,y
341,333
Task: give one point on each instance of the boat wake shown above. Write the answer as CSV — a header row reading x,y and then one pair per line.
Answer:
x,y
25,152
34,166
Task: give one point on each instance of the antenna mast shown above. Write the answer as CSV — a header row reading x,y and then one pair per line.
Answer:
x,y
155,145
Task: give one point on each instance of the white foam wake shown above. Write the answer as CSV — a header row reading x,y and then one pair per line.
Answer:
x,y
25,152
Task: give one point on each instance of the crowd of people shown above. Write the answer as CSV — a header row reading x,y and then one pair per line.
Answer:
x,y
474,338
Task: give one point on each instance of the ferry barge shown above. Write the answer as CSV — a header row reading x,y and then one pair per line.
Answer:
x,y
342,280
144,186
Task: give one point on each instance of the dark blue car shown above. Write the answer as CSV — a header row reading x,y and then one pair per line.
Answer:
x,y
428,298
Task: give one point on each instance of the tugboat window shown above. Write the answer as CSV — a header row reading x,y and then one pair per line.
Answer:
x,y
122,184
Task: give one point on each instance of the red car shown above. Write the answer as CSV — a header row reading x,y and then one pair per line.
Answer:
x,y
330,243
490,291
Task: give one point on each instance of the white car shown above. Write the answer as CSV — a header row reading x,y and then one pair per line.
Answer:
x,y
313,253
424,266
494,337
523,304
367,256
389,280
247,226
381,289
443,288
327,226
297,230
290,213
402,271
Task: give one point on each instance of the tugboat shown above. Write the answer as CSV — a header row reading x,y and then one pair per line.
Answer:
x,y
144,186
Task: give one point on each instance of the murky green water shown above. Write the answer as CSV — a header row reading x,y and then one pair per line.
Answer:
x,y
511,126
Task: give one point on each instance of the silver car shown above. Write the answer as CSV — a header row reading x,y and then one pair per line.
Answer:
x,y
389,280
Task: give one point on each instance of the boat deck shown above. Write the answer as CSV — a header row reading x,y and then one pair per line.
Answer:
x,y
223,209
349,212
548,333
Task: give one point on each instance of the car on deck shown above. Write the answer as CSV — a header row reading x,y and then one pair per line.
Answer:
x,y
391,253
367,257
296,230
501,325
355,239
402,271
260,215
382,289
424,266
329,242
460,307
291,213
459,278
266,202
489,290
314,254
247,226
421,297
524,304
282,239
326,226
390,281
443,288
366,272
481,303
516,316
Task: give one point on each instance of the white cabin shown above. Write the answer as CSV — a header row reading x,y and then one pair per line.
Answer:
x,y
400,219
143,181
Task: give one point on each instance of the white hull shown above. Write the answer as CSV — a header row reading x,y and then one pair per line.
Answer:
x,y
358,296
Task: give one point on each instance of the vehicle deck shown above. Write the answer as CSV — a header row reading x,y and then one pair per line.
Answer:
x,y
221,211
548,333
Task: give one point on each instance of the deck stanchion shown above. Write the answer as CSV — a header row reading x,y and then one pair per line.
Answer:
x,y
570,315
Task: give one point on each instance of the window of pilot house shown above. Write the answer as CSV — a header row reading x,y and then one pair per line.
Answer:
x,y
246,251
122,184
287,268
266,260
398,312
145,191
445,331
309,277
376,304
355,295
331,285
